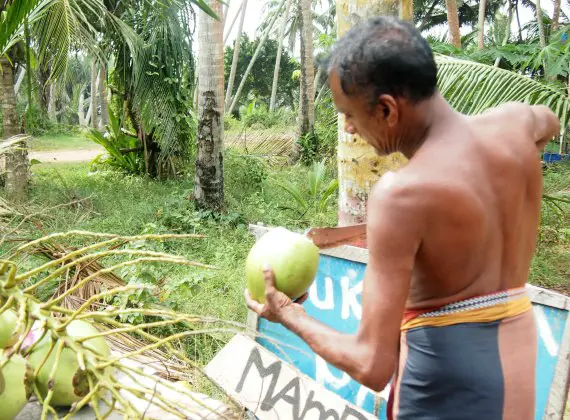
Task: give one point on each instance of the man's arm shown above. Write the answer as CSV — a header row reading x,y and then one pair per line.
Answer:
x,y
395,227
546,125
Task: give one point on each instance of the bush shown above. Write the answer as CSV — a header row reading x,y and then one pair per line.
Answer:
x,y
257,115
245,173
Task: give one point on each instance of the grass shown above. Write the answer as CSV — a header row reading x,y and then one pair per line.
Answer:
x,y
61,142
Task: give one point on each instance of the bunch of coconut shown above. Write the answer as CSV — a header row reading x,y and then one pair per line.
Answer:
x,y
70,382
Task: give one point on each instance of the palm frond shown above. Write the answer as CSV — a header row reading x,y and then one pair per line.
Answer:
x,y
295,193
471,88
12,20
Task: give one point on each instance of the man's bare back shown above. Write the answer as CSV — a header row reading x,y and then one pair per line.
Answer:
x,y
483,180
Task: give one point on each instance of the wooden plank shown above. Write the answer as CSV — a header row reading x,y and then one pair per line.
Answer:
x,y
558,396
272,389
252,323
548,297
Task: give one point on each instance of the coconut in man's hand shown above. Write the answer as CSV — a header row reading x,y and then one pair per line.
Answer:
x,y
293,258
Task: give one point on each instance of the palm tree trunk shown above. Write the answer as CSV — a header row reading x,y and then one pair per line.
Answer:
x,y
518,20
453,22
16,164
407,10
29,86
209,184
103,97
507,31
481,26
81,107
279,53
8,99
93,106
254,58
307,99
51,102
235,58
555,16
540,24
358,165
19,80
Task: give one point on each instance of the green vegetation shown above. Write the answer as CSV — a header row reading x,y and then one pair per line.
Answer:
x,y
114,203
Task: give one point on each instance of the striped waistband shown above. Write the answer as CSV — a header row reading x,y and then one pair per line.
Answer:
x,y
487,308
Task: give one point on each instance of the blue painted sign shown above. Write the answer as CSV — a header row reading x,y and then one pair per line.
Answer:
x,y
335,300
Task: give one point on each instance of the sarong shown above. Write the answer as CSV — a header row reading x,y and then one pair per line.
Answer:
x,y
472,360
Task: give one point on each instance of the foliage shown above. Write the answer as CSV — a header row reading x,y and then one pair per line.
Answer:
x,y
318,192
326,125
257,115
157,81
551,263
12,17
473,87
430,14
124,151
249,172
528,58
260,80
308,148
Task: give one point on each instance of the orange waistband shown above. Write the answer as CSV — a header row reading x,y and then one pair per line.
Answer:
x,y
486,308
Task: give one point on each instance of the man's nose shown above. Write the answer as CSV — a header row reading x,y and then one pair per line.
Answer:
x,y
349,128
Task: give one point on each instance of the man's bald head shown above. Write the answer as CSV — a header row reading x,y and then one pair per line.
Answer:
x,y
384,56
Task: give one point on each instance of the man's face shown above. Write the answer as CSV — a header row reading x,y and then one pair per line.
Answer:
x,y
376,124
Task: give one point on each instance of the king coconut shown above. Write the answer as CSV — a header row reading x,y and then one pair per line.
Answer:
x,y
293,258
16,372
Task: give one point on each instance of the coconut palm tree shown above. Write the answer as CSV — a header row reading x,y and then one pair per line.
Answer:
x,y
279,52
556,15
453,22
481,25
237,45
209,184
307,97
16,162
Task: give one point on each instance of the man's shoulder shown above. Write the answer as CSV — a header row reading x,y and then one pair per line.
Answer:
x,y
520,112
411,190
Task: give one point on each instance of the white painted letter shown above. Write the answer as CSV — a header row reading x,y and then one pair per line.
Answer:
x,y
328,301
349,300
324,376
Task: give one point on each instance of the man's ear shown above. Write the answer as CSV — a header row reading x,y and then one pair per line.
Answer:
x,y
389,108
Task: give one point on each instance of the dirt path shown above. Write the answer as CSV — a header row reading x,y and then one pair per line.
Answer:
x,y
66,156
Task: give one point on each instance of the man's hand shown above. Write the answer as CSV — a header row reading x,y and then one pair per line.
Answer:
x,y
276,302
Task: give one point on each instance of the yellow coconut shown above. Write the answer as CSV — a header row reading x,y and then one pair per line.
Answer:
x,y
8,333
293,257
70,382
15,386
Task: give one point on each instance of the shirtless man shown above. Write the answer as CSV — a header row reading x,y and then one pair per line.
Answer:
x,y
458,224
